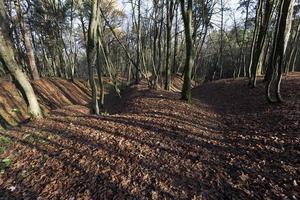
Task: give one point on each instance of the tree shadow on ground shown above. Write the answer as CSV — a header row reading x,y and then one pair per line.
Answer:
x,y
155,147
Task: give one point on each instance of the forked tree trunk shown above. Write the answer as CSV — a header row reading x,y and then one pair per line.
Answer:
x,y
7,56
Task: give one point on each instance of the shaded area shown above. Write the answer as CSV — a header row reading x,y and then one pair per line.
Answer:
x,y
155,146
53,93
13,107
267,136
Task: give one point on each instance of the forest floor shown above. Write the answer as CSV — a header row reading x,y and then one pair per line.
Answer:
x,y
229,144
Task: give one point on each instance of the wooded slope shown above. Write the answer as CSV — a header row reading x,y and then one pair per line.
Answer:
x,y
53,93
229,144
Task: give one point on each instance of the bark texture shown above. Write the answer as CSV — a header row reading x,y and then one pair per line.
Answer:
x,y
7,57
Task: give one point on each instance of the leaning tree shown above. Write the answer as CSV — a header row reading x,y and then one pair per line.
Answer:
x,y
8,58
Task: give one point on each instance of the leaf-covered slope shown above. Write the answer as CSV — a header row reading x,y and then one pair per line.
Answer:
x,y
156,146
52,94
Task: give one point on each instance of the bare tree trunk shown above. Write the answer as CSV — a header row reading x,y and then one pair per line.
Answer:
x,y
99,72
295,60
220,60
262,57
262,21
7,57
160,38
187,19
84,32
139,47
72,54
289,22
243,47
175,40
170,10
278,53
92,53
294,43
27,43
155,38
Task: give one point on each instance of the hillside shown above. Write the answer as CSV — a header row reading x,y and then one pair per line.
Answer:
x,y
53,93
229,144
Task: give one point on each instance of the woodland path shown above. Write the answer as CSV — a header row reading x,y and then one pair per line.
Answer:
x,y
229,144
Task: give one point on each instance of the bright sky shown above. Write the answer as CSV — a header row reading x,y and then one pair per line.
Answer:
x,y
228,15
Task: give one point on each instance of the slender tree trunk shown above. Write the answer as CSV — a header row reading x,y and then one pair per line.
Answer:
x,y
160,38
220,60
139,47
92,53
155,38
263,16
175,41
295,60
99,72
72,45
187,19
84,32
243,47
253,54
170,8
295,48
27,43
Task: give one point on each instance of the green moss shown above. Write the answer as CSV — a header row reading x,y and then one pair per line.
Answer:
x,y
104,114
43,160
5,142
4,164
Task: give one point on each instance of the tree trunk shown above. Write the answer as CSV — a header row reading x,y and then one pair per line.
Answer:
x,y
99,72
175,41
243,47
187,19
262,21
170,8
92,54
160,38
27,43
262,58
7,57
289,22
138,49
295,60
278,53
293,54
220,59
